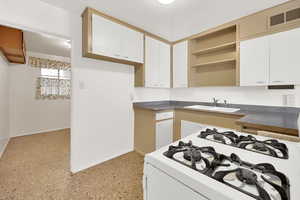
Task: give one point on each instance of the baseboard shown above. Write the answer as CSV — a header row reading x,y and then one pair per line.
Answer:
x,y
92,164
3,145
40,131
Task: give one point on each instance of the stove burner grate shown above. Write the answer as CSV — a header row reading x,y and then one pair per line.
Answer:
x,y
245,172
250,143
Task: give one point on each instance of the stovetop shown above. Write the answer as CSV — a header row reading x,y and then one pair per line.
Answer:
x,y
270,147
261,181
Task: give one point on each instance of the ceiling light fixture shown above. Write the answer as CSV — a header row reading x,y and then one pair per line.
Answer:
x,y
165,1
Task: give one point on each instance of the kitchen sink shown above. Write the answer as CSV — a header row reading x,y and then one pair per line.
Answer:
x,y
213,108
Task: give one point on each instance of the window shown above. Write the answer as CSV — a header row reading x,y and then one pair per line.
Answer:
x,y
54,83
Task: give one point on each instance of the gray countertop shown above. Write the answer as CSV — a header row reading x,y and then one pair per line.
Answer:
x,y
282,118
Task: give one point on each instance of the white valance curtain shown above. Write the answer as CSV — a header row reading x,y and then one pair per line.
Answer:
x,y
47,63
52,87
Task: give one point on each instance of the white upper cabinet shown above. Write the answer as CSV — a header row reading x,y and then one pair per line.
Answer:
x,y
180,65
132,46
285,58
101,35
114,40
157,63
151,62
164,65
254,62
271,60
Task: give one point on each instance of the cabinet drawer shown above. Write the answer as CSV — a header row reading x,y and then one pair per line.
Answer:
x,y
164,115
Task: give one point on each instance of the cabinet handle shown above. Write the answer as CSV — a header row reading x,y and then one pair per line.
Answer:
x,y
260,82
277,81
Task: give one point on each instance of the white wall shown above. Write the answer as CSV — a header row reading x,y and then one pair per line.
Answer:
x,y
35,15
237,95
102,113
151,94
4,102
27,114
198,16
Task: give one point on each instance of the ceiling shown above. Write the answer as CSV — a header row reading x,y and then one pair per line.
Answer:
x,y
46,44
174,21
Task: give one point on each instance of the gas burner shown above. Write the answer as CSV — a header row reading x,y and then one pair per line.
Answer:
x,y
227,137
260,181
246,176
250,143
260,147
218,137
192,155
197,158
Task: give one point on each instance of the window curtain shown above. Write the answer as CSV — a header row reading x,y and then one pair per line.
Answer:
x,y
51,88
47,63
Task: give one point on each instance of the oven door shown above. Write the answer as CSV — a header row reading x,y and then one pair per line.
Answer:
x,y
160,186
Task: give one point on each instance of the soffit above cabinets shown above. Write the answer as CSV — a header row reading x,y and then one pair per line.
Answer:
x,y
47,44
175,21
12,44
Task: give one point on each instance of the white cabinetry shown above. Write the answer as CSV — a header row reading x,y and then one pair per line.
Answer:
x,y
285,58
117,41
163,129
157,64
254,58
164,133
271,60
180,65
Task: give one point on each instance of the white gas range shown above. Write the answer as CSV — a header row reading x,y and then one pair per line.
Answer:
x,y
218,164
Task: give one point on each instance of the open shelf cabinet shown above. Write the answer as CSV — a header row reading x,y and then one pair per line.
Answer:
x,y
213,58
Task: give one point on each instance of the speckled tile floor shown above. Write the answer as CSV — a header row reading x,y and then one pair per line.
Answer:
x,y
36,167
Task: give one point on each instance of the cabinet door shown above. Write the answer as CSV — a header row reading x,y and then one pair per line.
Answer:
x,y
101,35
164,65
137,46
285,58
254,62
180,65
164,133
106,37
132,45
151,62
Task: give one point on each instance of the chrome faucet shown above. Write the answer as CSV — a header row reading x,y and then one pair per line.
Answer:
x,y
215,101
225,102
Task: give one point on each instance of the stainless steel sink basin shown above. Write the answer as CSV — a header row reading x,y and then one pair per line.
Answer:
x,y
213,108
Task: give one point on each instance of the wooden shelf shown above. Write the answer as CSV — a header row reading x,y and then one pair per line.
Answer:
x,y
214,49
215,62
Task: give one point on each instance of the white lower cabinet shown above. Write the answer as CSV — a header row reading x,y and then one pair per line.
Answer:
x,y
188,128
160,186
164,133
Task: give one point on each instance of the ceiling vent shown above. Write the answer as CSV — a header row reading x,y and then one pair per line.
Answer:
x,y
277,19
285,17
293,15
